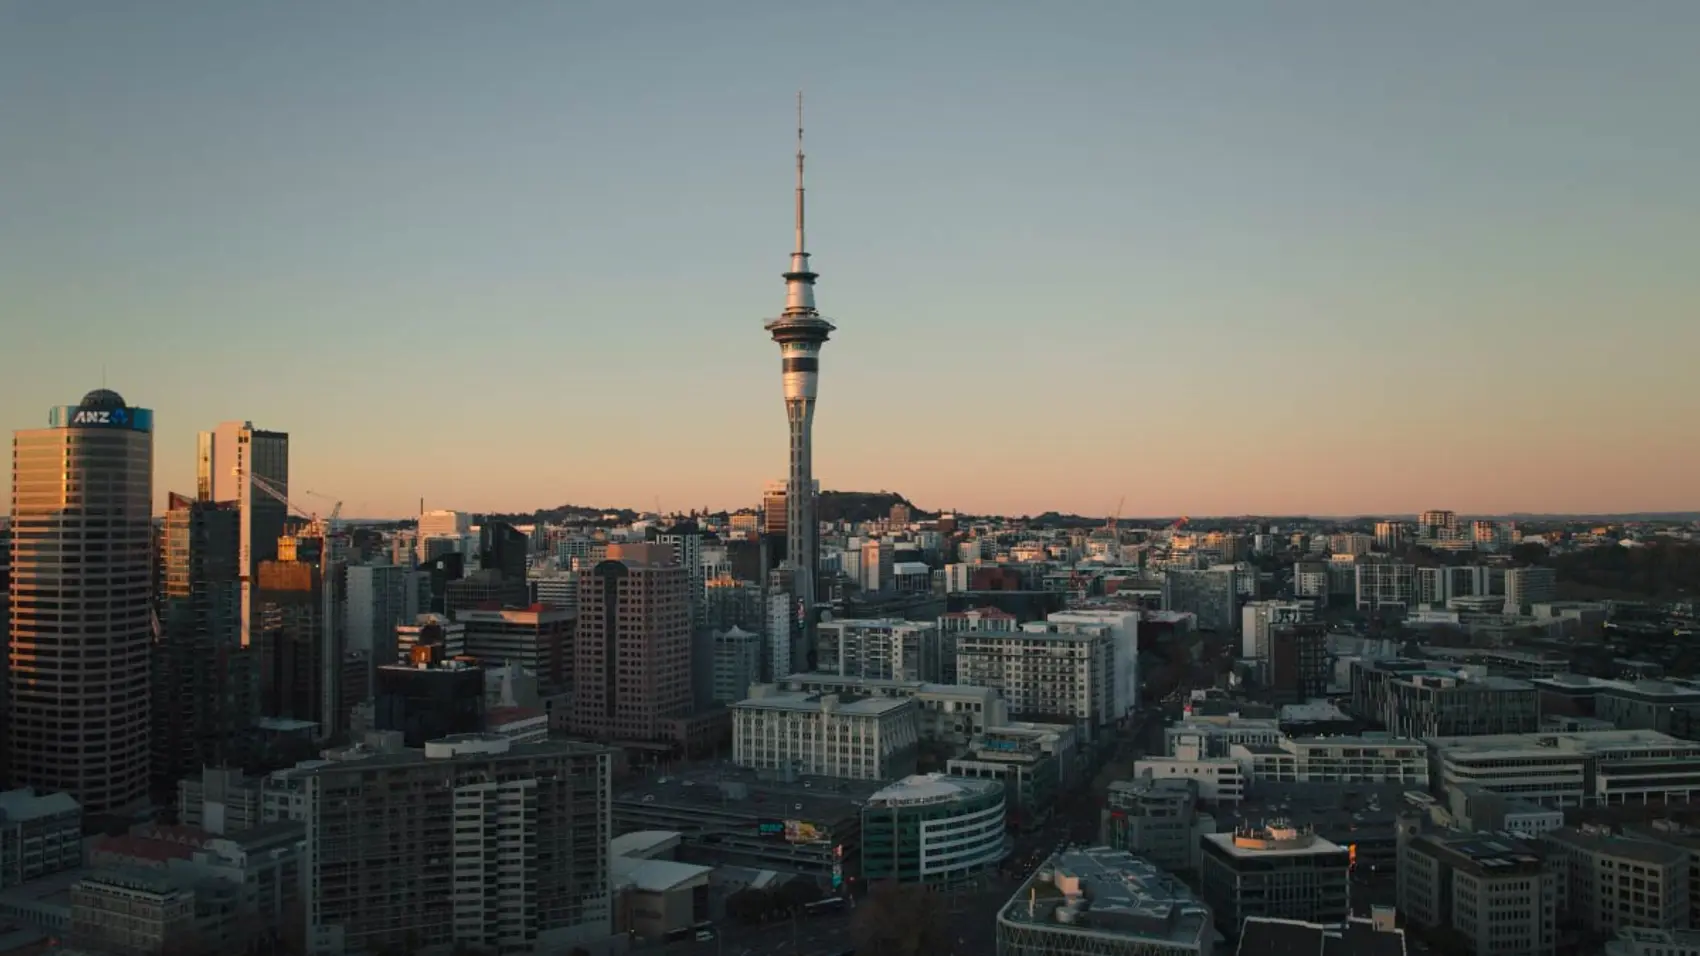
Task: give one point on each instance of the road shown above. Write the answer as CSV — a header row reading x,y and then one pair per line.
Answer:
x,y
973,914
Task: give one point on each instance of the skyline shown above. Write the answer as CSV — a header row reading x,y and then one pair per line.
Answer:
x,y
1219,263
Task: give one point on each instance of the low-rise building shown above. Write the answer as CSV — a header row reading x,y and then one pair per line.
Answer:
x,y
1629,705
1613,882
1376,936
1654,942
829,735
134,912
1031,776
1221,782
948,713
934,830
1103,902
1490,894
1276,871
40,834
1366,758
1157,820
1583,769
729,816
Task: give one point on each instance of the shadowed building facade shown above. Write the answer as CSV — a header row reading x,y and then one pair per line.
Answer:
x,y
82,516
632,651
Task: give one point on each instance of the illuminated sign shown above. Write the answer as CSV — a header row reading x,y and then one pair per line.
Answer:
x,y
800,831
770,828
76,416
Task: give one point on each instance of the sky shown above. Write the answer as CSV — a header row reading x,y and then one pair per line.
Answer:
x,y
1320,257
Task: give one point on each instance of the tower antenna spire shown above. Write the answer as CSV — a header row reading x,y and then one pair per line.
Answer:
x,y
801,249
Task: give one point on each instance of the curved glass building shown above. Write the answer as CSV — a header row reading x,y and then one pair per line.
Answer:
x,y
934,830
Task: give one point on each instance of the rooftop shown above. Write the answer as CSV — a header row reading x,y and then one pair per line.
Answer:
x,y
1484,854
1580,742
1277,838
730,792
853,704
928,788
642,844
24,803
1645,689
1262,936
1602,841
1104,892
656,876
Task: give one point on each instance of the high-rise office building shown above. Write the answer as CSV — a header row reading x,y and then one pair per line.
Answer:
x,y
302,612
250,466
773,508
81,602
204,682
685,538
800,332
5,641
473,840
503,547
378,602
633,645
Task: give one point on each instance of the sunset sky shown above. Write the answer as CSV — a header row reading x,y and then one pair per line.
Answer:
x,y
1219,258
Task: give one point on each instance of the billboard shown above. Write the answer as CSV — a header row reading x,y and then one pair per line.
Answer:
x,y
800,831
770,828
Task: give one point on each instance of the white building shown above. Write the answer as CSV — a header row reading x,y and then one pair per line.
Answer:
x,y
1124,636
1371,759
867,738
1045,674
1385,584
555,588
431,627
883,648
949,713
1525,587
1220,780
1585,768
1259,619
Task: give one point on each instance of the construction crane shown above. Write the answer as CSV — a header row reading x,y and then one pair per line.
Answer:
x,y
1110,525
336,510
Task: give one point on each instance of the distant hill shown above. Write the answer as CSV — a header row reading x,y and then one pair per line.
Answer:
x,y
864,505
834,506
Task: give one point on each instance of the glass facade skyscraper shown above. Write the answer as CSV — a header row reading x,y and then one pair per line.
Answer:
x,y
82,514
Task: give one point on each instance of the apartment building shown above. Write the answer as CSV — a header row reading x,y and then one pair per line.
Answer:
x,y
1493,893
1045,675
1385,584
1615,882
40,834
948,714
474,839
827,735
1525,587
1259,619
884,649
1366,759
1212,594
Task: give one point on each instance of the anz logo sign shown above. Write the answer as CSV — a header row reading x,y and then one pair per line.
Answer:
x,y
100,416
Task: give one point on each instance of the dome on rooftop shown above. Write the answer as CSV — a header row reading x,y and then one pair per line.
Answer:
x,y
103,398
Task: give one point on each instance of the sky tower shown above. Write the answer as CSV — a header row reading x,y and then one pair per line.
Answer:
x,y
800,332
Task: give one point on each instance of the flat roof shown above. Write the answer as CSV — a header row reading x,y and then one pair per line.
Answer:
x,y
639,843
1663,691
656,876
852,704
1484,854
729,791
1109,893
927,788
1304,843
25,804
1577,742
1643,851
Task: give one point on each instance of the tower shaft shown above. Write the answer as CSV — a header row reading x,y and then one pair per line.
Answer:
x,y
800,332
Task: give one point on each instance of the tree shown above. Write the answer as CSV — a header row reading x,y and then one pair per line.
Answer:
x,y
900,920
